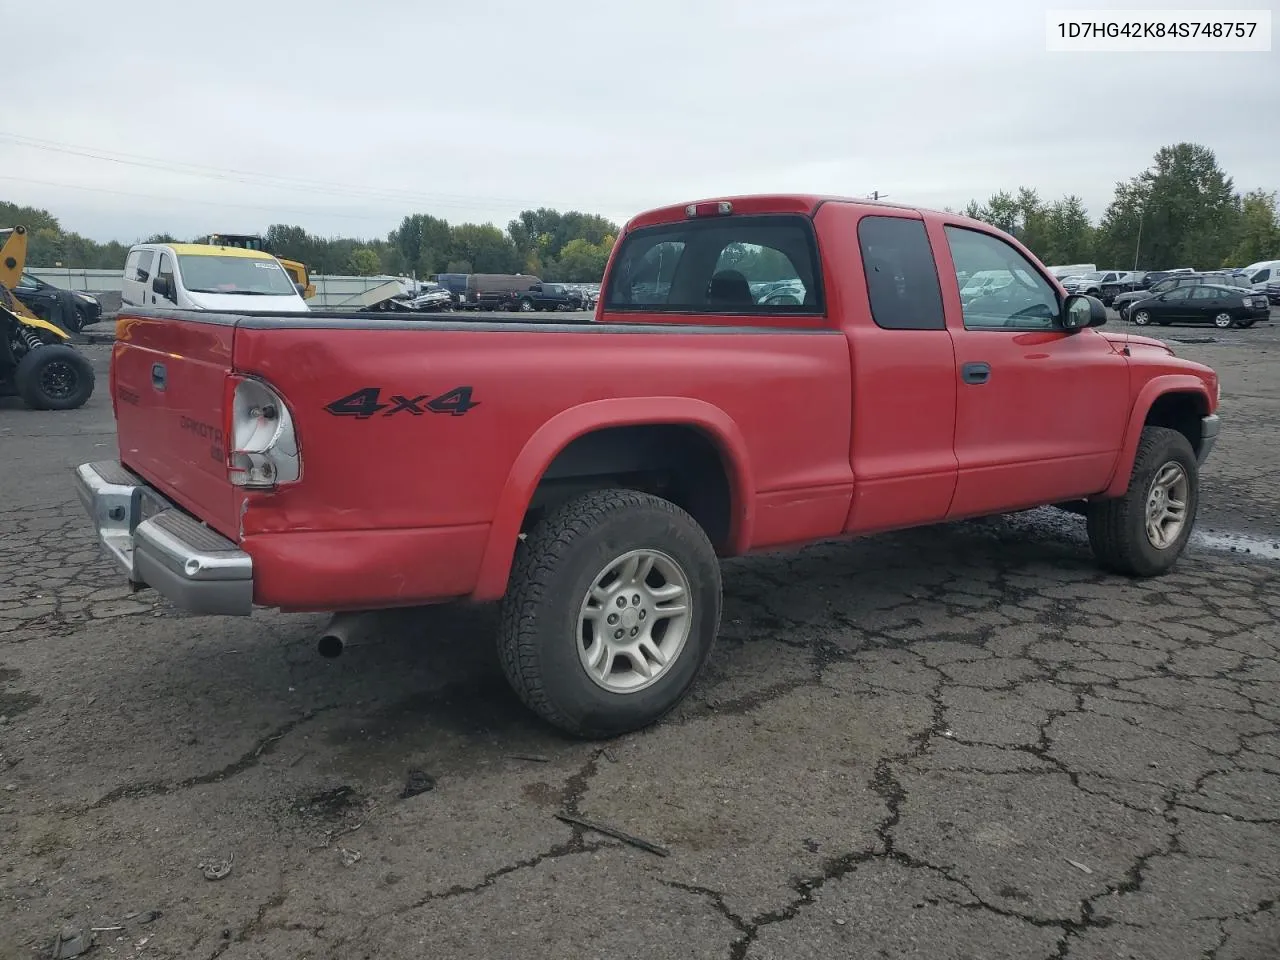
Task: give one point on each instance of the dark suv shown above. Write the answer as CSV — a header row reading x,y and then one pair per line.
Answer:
x,y
1172,281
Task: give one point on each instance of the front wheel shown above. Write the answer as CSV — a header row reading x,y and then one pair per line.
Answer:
x,y
612,610
1143,532
54,377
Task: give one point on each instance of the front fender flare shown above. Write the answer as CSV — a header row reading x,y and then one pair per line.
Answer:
x,y
565,427
1151,391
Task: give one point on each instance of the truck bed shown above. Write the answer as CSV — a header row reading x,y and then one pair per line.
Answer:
x,y
417,433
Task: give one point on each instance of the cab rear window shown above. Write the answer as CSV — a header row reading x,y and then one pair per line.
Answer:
x,y
760,265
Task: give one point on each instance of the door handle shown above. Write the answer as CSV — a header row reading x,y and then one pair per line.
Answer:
x,y
976,372
158,375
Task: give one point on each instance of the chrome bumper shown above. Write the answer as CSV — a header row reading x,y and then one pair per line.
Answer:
x,y
1209,427
159,545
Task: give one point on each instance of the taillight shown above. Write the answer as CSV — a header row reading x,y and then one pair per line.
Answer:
x,y
262,447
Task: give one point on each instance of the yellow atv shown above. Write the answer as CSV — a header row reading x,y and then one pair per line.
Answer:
x,y
37,363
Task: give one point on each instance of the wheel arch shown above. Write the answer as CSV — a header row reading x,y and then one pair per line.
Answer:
x,y
584,434
1177,401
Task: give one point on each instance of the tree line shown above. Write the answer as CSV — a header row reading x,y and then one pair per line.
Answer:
x,y
1182,211
571,247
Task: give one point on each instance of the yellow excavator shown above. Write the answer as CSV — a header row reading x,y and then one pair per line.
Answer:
x,y
36,362
251,241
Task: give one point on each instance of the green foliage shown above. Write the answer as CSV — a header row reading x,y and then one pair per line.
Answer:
x,y
1182,211
545,243
364,262
1259,230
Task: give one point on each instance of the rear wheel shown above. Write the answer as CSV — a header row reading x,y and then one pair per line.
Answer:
x,y
54,377
1224,321
526,306
1143,532
613,608
1142,318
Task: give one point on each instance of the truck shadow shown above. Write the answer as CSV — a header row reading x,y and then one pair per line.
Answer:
x,y
432,680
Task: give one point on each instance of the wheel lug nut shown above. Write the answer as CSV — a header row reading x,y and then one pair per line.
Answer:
x,y
622,601
617,634
613,618
635,601
634,631
643,614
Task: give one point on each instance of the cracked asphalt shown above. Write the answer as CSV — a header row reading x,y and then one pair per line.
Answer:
x,y
959,742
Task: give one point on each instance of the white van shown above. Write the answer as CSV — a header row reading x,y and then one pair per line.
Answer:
x,y
1259,274
197,276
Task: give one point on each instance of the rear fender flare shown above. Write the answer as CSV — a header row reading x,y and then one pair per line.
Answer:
x,y
561,430
1151,391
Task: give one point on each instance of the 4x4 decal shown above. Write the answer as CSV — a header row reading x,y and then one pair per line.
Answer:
x,y
367,401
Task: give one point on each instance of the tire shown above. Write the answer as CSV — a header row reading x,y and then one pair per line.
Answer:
x,y
564,557
54,377
1142,318
1224,321
526,306
1118,528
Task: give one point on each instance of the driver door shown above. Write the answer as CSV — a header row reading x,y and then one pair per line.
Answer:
x,y
1040,412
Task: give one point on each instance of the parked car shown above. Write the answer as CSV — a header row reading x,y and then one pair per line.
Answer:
x,y
591,478
199,276
69,309
546,296
1097,282
1273,291
1125,281
1221,304
1123,302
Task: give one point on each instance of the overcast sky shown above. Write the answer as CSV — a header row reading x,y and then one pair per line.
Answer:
x,y
342,117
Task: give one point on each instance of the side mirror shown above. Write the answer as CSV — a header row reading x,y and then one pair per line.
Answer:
x,y
164,287
1080,311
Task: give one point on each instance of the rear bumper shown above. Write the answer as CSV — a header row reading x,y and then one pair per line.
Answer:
x,y
1209,427
156,544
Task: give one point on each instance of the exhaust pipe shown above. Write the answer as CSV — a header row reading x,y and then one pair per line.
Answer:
x,y
335,637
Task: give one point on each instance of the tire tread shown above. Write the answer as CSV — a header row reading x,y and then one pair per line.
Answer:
x,y
539,558
1108,521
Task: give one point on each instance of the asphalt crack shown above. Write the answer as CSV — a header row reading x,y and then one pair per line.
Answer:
x,y
264,746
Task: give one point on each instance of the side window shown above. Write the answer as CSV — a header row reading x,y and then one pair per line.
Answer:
x,y
165,270
1018,299
1182,293
131,264
1203,292
27,282
902,279
1262,275
145,259
757,265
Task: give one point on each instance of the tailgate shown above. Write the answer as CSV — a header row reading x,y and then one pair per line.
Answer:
x,y
168,382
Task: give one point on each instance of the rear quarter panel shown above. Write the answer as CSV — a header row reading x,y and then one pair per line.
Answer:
x,y
785,394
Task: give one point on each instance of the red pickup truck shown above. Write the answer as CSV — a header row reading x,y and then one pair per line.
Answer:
x,y
760,371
